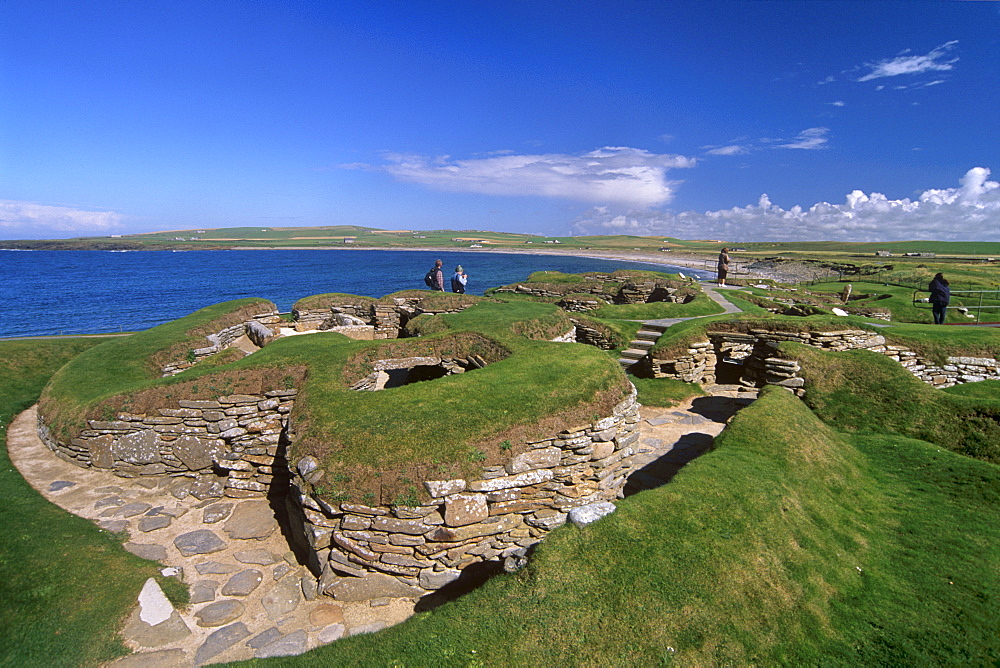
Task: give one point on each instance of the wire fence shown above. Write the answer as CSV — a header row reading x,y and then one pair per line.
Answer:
x,y
975,303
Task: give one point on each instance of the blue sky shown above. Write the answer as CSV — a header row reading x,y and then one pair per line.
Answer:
x,y
730,120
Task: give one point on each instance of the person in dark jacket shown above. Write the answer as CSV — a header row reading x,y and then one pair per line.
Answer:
x,y
459,280
723,268
438,275
940,296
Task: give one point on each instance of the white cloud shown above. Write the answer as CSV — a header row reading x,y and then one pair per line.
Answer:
x,y
734,149
935,61
30,216
610,175
969,212
809,139
838,103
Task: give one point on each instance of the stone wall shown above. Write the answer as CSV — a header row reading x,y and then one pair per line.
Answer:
x,y
650,290
467,521
256,330
591,336
578,304
370,320
756,352
238,437
378,378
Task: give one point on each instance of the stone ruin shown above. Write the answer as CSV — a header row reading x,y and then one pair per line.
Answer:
x,y
752,359
237,446
573,297
397,372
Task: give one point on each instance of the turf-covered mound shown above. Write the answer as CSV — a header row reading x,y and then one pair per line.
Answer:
x,y
866,392
125,365
788,544
374,444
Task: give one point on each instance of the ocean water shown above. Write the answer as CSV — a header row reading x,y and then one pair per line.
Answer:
x,y
89,292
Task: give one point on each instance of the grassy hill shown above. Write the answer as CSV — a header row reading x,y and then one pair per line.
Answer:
x,y
368,237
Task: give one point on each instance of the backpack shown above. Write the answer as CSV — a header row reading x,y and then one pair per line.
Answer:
x,y
430,279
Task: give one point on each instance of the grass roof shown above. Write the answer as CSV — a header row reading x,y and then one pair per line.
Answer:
x,y
376,446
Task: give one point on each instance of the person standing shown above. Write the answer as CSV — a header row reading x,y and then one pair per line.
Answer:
x,y
723,268
940,297
459,280
435,277
439,275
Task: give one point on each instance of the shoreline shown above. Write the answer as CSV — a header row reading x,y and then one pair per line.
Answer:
x,y
689,261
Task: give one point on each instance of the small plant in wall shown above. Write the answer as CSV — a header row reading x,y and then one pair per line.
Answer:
x,y
506,445
477,456
407,497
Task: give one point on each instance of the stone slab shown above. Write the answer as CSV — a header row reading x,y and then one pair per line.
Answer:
x,y
293,644
219,613
147,551
251,520
220,641
201,541
373,585
243,583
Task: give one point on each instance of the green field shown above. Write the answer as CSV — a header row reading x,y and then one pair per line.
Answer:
x,y
367,237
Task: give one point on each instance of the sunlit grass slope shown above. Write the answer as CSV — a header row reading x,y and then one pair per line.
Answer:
x,y
789,544
65,585
866,392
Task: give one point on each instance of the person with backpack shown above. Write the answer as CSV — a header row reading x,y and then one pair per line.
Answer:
x,y
458,280
435,277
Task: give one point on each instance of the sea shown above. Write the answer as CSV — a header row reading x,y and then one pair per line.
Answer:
x,y
90,292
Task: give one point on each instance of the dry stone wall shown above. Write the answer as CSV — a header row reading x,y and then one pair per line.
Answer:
x,y
378,378
499,516
591,336
756,351
256,330
237,436
651,290
368,320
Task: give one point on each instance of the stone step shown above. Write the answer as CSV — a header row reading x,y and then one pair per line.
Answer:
x,y
634,353
642,345
626,363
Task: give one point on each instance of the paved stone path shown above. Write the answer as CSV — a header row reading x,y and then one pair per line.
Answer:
x,y
250,597
671,437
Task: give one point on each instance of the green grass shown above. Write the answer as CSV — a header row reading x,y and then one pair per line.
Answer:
x,y
936,343
431,430
701,305
987,389
788,544
126,364
865,392
740,301
65,585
